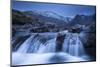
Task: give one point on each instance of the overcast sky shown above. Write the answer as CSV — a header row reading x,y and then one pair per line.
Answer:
x,y
61,9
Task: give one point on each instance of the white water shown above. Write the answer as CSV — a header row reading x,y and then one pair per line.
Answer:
x,y
33,51
45,58
73,45
23,48
49,47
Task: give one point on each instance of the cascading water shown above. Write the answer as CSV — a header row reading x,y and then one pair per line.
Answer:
x,y
37,44
48,47
73,45
41,49
23,48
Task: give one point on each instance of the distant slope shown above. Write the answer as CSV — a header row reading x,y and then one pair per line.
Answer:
x,y
32,17
83,19
19,18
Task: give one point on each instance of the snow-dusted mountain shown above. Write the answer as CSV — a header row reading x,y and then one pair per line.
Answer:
x,y
48,14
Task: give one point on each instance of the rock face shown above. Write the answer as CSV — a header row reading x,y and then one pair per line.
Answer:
x,y
59,41
91,42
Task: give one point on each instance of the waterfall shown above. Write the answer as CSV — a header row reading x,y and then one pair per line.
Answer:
x,y
46,47
73,45
23,48
49,46
37,44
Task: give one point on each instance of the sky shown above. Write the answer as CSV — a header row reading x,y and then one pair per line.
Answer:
x,y
65,10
